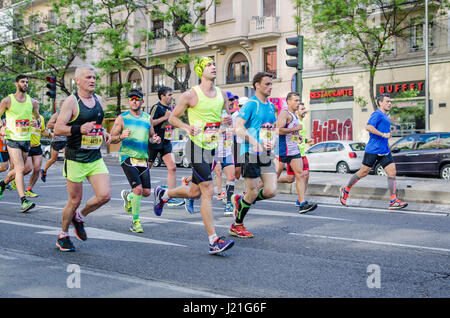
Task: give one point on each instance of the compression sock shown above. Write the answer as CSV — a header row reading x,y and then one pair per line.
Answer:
x,y
242,211
392,185
260,196
352,182
135,205
230,190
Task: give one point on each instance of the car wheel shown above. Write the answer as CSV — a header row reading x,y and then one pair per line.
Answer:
x,y
342,168
157,162
185,162
445,172
379,170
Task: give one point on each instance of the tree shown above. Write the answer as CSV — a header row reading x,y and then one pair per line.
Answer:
x,y
50,42
358,31
181,18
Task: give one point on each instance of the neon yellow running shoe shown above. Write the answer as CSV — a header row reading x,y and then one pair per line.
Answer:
x,y
126,202
31,194
136,227
13,185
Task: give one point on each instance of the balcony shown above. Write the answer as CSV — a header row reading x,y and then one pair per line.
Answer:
x,y
264,28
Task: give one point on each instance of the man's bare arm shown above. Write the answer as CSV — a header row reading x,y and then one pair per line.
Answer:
x,y
4,105
65,115
179,110
116,130
52,121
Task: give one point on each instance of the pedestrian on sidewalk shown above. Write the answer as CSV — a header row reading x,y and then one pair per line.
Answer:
x,y
377,151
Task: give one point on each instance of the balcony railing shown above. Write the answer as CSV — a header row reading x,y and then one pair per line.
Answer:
x,y
261,27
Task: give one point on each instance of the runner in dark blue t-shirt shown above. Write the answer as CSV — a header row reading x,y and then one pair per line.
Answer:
x,y
377,151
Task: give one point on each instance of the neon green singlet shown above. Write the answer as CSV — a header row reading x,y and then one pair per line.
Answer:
x,y
18,119
206,114
302,133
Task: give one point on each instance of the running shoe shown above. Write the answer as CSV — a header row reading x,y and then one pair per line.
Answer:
x,y
307,207
43,175
229,209
2,189
158,203
13,185
26,206
240,231
65,244
189,205
30,194
184,181
126,202
80,233
343,196
8,187
221,196
175,202
136,227
397,204
220,245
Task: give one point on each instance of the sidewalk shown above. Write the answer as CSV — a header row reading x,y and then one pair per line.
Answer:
x,y
409,189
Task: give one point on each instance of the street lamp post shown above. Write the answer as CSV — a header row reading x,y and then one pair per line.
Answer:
x,y
427,86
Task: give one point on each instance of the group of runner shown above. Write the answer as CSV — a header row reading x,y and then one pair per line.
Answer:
x,y
243,143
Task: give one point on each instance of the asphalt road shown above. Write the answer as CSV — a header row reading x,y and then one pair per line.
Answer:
x,y
331,252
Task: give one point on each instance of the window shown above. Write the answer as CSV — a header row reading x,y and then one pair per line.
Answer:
x,y
405,144
158,29
360,146
334,146
417,31
269,8
34,23
427,142
270,60
157,79
180,73
224,11
444,141
202,20
238,70
317,148
135,80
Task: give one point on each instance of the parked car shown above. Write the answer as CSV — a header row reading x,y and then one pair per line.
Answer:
x,y
47,150
421,154
178,151
342,156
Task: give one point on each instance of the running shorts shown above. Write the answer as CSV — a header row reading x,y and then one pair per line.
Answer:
x,y
4,156
253,166
77,171
136,175
236,152
154,150
22,145
371,159
200,160
59,145
305,166
224,161
35,151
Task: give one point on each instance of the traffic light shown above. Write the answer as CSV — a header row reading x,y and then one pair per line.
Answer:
x,y
51,85
296,51
298,61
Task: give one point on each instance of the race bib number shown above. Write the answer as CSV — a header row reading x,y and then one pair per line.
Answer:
x,y
22,127
267,133
211,133
138,162
228,138
168,133
93,140
295,137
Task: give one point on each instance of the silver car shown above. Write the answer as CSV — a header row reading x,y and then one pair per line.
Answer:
x,y
341,156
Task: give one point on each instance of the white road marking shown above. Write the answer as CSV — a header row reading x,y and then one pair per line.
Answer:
x,y
372,242
94,233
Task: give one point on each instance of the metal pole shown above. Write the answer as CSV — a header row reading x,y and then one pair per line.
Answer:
x,y
299,80
427,97
147,76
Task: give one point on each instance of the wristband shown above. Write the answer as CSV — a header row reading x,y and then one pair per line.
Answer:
x,y
75,130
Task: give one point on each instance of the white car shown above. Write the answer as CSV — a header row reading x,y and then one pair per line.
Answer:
x,y
342,156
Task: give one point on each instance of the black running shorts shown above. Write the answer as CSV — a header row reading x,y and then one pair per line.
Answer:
x,y
155,149
371,159
201,162
253,166
35,151
136,175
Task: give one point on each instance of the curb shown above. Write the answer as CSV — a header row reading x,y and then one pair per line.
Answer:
x,y
361,192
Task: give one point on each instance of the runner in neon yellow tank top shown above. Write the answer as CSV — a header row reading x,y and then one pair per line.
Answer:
x,y
19,108
204,105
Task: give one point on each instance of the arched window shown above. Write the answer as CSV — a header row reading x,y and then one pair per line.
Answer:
x,y
135,80
238,69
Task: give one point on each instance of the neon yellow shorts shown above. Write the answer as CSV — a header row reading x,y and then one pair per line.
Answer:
x,y
77,171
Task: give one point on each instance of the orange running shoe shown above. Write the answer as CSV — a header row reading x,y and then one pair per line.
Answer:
x,y
240,231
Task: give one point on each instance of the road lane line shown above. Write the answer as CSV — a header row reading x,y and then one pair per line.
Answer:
x,y
372,242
